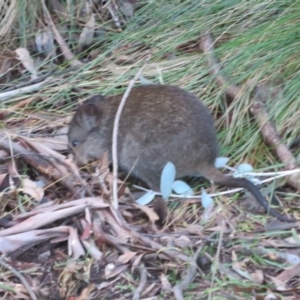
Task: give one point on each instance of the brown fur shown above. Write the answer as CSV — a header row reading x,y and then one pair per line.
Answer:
x,y
159,123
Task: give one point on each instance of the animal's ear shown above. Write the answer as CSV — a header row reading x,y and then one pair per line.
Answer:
x,y
95,99
89,115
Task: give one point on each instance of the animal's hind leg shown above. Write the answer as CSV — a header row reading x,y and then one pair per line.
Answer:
x,y
150,175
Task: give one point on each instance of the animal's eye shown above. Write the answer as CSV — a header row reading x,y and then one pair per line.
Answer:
x,y
75,143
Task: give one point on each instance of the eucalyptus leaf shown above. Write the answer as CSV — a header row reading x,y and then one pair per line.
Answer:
x,y
221,162
146,198
167,178
290,258
145,81
207,213
254,180
206,200
242,168
182,188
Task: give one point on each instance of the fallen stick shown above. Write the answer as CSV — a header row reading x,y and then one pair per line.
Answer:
x,y
188,279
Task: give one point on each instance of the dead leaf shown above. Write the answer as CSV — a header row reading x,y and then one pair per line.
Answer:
x,y
92,250
44,41
165,283
33,189
208,213
85,294
183,242
87,34
288,273
117,70
71,266
122,234
42,148
13,242
240,267
190,228
4,182
59,143
126,257
47,216
279,285
126,8
87,229
111,6
257,276
24,56
152,215
75,248
3,154
137,261
111,270
95,202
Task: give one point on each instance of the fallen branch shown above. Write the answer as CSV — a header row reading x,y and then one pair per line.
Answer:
x,y
271,137
23,90
268,130
207,46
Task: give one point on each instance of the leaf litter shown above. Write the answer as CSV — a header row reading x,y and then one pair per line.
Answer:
x,y
59,219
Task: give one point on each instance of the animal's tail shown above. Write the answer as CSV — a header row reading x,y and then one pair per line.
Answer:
x,y
221,179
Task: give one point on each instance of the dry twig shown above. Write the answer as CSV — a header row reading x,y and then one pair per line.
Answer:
x,y
217,256
143,281
115,135
190,275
